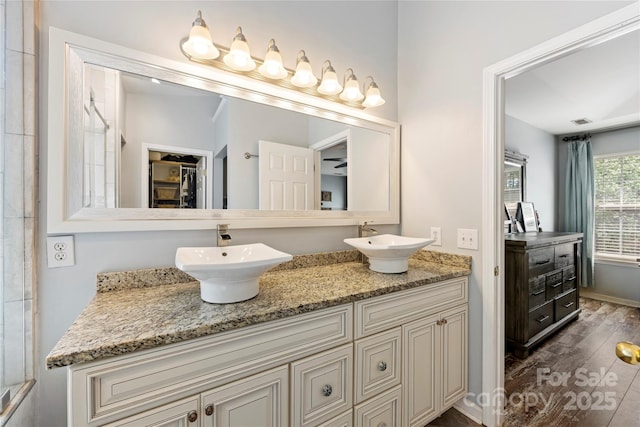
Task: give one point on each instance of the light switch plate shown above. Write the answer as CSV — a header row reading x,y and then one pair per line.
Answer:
x,y
468,238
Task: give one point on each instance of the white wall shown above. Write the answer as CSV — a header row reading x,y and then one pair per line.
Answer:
x,y
542,171
443,47
324,30
610,280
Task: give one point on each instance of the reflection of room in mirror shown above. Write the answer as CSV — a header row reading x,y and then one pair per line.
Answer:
x,y
152,112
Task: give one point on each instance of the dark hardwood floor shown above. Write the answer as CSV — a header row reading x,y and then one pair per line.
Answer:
x,y
574,378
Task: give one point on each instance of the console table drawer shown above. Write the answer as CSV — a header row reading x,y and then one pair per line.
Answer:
x,y
537,287
541,261
564,255
554,284
540,318
565,305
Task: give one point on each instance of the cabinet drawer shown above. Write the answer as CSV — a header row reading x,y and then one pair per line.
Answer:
x,y
377,364
565,305
321,386
554,284
537,287
568,278
540,261
342,420
564,255
384,410
388,311
540,318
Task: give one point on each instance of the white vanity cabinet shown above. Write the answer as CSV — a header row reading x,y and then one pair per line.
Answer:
x,y
394,360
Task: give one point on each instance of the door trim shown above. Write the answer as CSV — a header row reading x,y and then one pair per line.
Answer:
x,y
595,32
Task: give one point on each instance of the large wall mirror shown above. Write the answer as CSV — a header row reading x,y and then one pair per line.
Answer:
x,y
138,142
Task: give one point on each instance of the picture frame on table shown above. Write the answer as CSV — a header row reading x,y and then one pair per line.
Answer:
x,y
526,215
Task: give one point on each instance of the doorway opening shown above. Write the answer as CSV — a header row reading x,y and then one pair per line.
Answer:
x,y
606,28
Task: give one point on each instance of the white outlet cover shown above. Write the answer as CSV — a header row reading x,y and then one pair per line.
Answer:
x,y
57,257
436,234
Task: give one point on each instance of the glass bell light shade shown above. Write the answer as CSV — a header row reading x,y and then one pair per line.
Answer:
x,y
239,56
199,44
304,74
329,84
373,98
351,92
272,66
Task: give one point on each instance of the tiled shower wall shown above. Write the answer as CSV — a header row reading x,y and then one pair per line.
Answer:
x,y
18,180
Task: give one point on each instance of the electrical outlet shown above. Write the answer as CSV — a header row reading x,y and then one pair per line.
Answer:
x,y
468,238
60,251
436,234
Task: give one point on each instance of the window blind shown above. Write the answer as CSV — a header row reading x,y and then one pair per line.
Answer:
x,y
617,206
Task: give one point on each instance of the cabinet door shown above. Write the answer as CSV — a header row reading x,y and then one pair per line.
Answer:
x,y
420,377
259,400
182,413
454,355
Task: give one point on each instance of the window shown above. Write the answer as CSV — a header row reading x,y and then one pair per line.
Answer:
x,y
617,206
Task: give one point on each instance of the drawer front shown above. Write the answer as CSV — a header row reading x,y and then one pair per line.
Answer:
x,y
321,386
384,410
540,318
565,304
377,364
564,255
568,278
554,284
388,311
537,287
540,261
106,391
342,420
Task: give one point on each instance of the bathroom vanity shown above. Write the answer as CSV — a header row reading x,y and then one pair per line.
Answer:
x,y
326,342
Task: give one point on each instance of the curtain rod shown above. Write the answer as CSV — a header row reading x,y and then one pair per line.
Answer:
x,y
577,137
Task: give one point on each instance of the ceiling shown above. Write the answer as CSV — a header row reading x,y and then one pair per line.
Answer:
x,y
600,83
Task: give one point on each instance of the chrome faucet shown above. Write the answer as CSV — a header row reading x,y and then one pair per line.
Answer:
x,y
223,234
365,231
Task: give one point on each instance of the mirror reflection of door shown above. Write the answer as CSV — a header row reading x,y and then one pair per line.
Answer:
x,y
332,173
286,176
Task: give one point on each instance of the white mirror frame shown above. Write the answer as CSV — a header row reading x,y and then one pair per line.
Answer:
x,y
64,213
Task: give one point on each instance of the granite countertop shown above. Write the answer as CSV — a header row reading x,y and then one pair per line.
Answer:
x,y
148,308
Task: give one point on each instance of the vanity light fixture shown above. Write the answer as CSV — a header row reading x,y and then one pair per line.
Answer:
x,y
239,56
304,74
199,44
329,84
272,66
199,47
351,90
373,99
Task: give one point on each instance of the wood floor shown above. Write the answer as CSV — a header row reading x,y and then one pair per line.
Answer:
x,y
574,378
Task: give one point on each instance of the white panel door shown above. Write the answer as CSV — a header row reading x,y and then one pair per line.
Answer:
x,y
286,176
260,400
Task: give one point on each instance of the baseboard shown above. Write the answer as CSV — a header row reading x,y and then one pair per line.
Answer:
x,y
600,297
469,409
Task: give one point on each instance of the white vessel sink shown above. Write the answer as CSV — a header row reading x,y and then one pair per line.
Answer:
x,y
388,253
230,273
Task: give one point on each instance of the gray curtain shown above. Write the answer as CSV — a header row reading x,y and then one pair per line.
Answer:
x,y
578,210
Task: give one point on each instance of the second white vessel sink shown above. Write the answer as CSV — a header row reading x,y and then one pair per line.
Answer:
x,y
388,253
230,273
